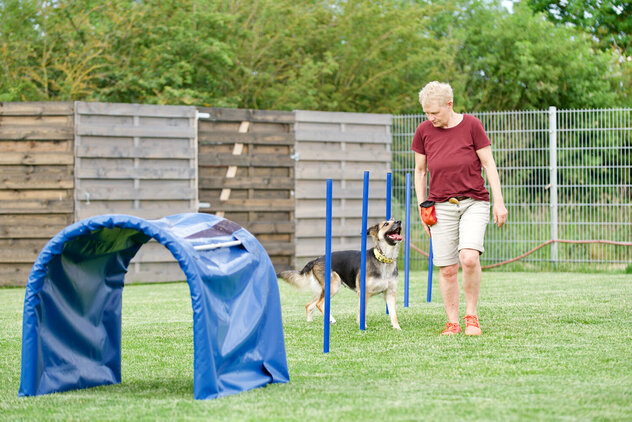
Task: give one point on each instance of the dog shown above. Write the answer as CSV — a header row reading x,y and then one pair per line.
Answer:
x,y
381,271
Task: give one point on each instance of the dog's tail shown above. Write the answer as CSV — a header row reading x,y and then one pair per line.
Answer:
x,y
299,279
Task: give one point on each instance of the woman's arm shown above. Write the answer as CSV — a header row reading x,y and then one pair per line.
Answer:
x,y
491,172
421,171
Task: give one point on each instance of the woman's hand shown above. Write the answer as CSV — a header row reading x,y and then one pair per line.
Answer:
x,y
500,214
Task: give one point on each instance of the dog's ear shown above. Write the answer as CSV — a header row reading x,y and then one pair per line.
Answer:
x,y
373,232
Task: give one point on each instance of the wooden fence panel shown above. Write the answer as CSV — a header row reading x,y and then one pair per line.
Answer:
x,y
340,146
37,182
246,174
139,160
266,170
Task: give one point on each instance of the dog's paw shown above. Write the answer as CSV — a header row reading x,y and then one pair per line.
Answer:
x,y
397,327
332,320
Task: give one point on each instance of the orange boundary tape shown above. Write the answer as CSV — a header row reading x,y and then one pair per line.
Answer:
x,y
548,242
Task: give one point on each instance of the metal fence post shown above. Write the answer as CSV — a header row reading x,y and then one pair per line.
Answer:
x,y
553,179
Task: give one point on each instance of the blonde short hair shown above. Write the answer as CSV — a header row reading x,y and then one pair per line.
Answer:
x,y
436,92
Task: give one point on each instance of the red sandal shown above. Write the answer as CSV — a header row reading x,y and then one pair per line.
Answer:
x,y
451,328
471,326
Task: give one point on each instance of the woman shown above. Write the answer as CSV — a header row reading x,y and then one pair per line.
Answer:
x,y
454,148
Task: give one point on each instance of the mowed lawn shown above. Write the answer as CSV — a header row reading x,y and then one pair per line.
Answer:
x,y
555,346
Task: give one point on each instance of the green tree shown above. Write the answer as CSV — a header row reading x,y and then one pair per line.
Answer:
x,y
609,21
342,55
122,50
354,55
168,52
520,61
18,41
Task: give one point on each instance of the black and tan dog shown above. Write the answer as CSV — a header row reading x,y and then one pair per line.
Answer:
x,y
381,271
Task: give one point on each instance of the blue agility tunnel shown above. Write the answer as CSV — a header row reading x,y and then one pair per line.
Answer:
x,y
71,336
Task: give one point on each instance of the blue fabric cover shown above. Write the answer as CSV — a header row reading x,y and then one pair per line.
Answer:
x,y
71,335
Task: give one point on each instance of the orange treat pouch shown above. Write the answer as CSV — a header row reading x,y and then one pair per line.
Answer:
x,y
428,214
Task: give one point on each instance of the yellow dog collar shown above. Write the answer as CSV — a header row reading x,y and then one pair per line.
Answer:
x,y
381,257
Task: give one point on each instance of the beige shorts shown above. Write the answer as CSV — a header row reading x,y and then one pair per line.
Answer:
x,y
459,226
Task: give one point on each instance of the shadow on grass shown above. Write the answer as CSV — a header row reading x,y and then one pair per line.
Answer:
x,y
172,387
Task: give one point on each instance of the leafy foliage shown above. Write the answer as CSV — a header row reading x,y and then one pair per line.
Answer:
x,y
343,55
521,61
610,22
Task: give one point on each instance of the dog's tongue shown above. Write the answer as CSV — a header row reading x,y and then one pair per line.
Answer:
x,y
395,236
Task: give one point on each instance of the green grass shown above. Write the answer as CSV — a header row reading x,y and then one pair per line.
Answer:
x,y
556,346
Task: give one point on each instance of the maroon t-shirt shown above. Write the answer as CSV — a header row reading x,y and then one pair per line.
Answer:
x,y
454,167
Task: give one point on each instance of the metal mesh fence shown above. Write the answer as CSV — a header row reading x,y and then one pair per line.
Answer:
x,y
565,175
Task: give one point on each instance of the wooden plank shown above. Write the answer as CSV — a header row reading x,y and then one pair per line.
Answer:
x,y
349,137
136,131
306,252
267,160
321,155
122,109
240,115
14,274
251,150
38,132
109,208
37,220
21,250
114,151
35,206
213,138
153,251
126,193
264,183
155,273
342,117
36,177
30,120
316,228
278,248
36,159
275,237
30,231
34,183
236,205
36,108
278,267
315,171
376,211
242,194
39,147
151,173
261,227
40,195
304,192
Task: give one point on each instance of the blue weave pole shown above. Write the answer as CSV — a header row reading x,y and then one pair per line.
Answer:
x,y
430,266
365,201
327,269
407,244
389,183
